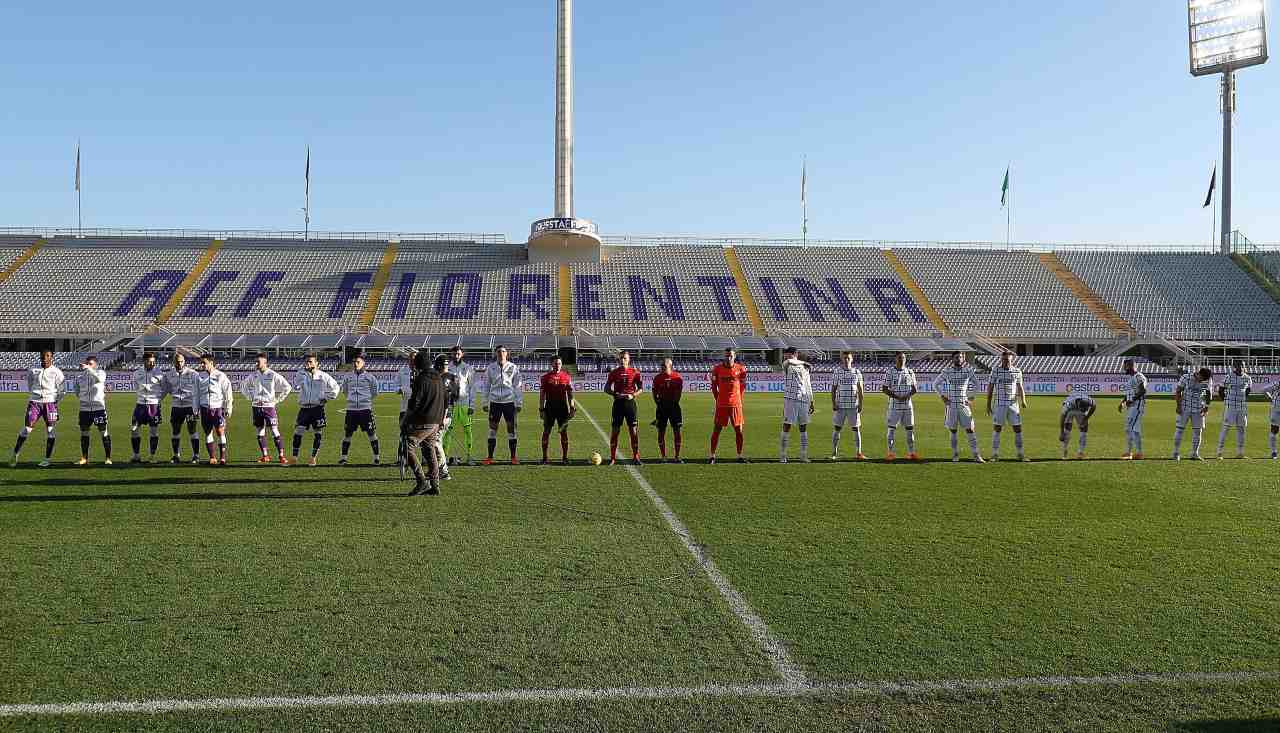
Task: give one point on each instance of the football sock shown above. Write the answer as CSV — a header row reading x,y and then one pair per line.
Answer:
x,y
1196,435
48,446
635,443
1240,440
804,445
995,442
955,444
737,439
222,446
106,445
1222,437
1137,441
135,441
835,442
564,445
893,440
715,441
545,440
208,443
1177,441
375,446
316,439
493,441
297,444
679,441
613,446
911,440
176,443
1273,442
195,446
511,445
857,441
783,440
1084,440
275,438
84,443
153,441
662,443
973,442
262,443
1017,441
346,447
1128,442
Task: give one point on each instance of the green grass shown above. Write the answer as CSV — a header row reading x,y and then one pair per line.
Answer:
x,y
143,582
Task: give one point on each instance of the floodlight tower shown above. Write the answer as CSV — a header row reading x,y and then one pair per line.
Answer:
x,y
1225,36
564,237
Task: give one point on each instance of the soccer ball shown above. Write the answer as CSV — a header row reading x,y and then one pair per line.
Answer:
x,y
596,459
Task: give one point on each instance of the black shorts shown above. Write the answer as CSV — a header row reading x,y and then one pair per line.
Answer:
x,y
500,410
555,413
670,412
624,411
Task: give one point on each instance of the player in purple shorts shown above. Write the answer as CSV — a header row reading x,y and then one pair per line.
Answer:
x,y
265,389
148,383
215,399
180,385
45,384
315,388
362,389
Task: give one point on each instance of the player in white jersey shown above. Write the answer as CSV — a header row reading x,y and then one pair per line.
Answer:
x,y
215,401
797,403
1234,393
315,388
180,386
1193,395
1273,394
900,386
1010,399
847,394
953,386
404,382
503,398
362,389
45,385
1077,408
1134,407
266,388
90,389
148,384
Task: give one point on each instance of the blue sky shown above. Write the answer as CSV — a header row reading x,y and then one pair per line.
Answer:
x,y
693,117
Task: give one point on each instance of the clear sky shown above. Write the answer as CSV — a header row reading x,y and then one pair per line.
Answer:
x,y
693,117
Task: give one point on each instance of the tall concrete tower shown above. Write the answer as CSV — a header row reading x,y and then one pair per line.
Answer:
x,y
564,237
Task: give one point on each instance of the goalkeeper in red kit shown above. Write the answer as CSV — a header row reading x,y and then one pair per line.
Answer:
x,y
556,406
667,388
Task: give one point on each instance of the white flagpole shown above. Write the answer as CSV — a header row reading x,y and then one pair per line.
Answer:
x,y
804,202
306,206
1213,233
1008,214
79,207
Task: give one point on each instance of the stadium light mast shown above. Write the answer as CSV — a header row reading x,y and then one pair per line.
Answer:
x,y
1223,37
564,237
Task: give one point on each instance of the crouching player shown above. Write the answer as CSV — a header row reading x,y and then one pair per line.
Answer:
x,y
1077,408
45,384
91,390
215,399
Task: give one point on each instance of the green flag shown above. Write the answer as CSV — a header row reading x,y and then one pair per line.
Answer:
x,y
1004,189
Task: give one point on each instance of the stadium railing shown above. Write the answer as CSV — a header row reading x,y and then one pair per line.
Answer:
x,y
72,233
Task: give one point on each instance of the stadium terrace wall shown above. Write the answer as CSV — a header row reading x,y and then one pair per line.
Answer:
x,y
759,382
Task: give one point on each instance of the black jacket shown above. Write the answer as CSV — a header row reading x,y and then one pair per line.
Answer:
x,y
428,400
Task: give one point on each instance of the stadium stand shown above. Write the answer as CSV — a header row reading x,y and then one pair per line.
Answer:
x,y
1269,262
1001,295
668,290
468,288
95,285
820,291
1181,296
1075,365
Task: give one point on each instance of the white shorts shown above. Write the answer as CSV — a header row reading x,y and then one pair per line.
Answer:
x,y
903,414
795,412
1133,417
1006,415
959,416
850,416
1196,419
1236,417
1080,419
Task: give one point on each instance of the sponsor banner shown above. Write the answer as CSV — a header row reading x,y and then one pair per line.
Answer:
x,y
762,382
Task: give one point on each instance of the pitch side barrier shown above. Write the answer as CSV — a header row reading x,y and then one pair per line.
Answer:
x,y
760,382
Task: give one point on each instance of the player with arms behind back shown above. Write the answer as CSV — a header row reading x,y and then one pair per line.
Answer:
x,y
1010,399
504,397
180,386
728,384
1192,399
668,386
266,388
1134,407
148,383
215,400
900,386
557,407
953,386
91,390
847,394
623,384
1234,393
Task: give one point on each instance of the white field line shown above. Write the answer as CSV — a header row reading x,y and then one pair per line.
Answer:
x,y
772,647
240,704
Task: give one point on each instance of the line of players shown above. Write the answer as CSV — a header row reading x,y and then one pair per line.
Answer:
x,y
206,398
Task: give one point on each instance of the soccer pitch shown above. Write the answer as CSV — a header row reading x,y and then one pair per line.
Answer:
x,y
1065,595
